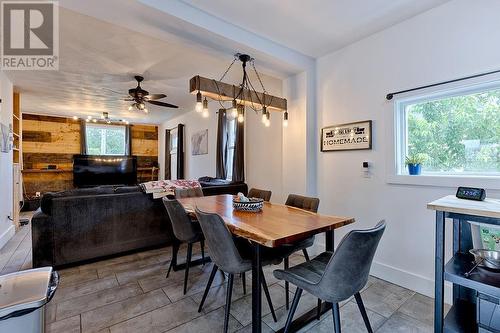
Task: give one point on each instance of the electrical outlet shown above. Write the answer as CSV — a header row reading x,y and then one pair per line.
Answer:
x,y
37,194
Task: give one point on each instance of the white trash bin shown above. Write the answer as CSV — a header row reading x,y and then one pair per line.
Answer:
x,y
23,296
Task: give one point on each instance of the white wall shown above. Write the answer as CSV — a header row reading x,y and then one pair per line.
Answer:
x,y
450,41
6,183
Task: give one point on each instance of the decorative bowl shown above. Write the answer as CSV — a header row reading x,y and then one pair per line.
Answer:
x,y
254,205
487,258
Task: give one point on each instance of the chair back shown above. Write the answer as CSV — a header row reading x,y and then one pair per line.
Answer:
x,y
347,271
223,250
258,193
188,192
300,201
181,223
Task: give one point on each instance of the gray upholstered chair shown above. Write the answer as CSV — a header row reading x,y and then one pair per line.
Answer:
x,y
258,193
188,192
185,231
230,255
306,203
334,277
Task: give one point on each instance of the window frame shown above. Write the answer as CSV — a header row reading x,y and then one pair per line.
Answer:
x,y
398,141
103,142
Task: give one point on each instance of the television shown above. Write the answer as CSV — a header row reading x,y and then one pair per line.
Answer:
x,y
93,170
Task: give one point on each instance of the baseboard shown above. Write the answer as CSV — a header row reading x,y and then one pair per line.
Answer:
x,y
412,281
7,235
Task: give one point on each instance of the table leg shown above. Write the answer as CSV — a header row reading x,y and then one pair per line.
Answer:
x,y
439,273
330,240
256,290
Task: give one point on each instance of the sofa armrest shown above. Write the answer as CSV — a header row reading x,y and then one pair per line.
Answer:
x,y
42,235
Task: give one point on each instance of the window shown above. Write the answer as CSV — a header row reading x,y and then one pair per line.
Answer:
x,y
105,139
173,153
231,139
457,132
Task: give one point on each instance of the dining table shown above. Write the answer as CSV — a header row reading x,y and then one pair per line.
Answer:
x,y
273,226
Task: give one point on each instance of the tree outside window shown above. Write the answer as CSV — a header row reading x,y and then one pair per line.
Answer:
x,y
105,139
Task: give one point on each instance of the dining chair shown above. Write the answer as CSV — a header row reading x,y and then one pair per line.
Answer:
x,y
188,192
185,231
310,204
258,193
334,277
231,255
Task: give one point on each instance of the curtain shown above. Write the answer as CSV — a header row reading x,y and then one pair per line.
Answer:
x,y
167,155
180,151
83,137
220,162
239,153
128,140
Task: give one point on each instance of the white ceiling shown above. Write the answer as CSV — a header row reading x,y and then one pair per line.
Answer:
x,y
314,27
97,57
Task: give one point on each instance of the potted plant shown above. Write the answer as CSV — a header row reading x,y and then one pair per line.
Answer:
x,y
414,163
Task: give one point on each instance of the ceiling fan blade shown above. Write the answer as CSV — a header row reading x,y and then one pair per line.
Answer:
x,y
152,97
163,104
113,91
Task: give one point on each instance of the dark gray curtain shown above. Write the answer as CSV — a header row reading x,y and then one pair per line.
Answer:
x,y
83,137
239,153
220,162
128,140
180,151
168,174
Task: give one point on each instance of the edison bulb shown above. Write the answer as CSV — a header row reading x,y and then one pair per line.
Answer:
x,y
199,107
205,113
240,118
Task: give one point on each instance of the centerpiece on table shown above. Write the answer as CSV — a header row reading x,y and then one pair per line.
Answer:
x,y
244,204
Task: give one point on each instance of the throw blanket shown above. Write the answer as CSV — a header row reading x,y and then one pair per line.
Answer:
x,y
162,188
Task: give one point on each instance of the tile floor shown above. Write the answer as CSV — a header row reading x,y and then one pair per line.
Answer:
x,y
131,294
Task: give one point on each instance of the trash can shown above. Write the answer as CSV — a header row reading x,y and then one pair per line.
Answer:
x,y
22,298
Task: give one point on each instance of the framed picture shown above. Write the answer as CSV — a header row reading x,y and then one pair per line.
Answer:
x,y
350,136
199,143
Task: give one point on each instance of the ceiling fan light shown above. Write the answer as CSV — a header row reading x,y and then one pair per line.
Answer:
x,y
130,107
145,110
141,106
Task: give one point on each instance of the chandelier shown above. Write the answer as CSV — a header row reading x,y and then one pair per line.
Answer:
x,y
241,97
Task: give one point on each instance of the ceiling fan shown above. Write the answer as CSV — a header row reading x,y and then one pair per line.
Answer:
x,y
140,97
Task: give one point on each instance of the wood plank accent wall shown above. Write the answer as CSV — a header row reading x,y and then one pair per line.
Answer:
x,y
54,140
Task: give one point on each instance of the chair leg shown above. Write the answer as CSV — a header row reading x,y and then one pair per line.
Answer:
x,y
209,284
228,301
244,283
295,302
286,264
336,317
268,296
306,255
188,262
318,310
361,307
202,245
175,250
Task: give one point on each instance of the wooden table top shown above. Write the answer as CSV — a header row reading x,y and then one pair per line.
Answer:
x,y
488,207
275,225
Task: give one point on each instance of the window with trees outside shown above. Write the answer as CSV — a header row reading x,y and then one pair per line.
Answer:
x,y
231,139
455,133
105,139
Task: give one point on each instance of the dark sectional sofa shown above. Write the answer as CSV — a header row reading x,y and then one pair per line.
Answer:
x,y
90,223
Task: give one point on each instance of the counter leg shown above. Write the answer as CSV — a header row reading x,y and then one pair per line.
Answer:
x,y
439,273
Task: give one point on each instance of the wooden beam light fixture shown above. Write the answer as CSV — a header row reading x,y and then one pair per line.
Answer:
x,y
241,96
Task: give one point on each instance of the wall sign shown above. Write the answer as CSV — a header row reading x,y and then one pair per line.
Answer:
x,y
351,136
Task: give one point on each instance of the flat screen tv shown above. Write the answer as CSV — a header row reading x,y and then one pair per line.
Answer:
x,y
92,170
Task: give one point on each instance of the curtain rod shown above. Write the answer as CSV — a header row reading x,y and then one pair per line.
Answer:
x,y
391,95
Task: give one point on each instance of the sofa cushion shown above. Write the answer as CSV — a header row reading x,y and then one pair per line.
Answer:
x,y
46,202
127,189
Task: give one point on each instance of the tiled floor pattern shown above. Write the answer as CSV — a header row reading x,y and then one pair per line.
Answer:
x,y
131,294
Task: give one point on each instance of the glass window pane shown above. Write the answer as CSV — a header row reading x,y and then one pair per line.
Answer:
x,y
93,139
457,134
115,141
